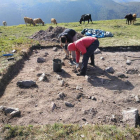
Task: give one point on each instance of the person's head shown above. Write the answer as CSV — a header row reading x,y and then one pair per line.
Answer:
x,y
63,39
71,47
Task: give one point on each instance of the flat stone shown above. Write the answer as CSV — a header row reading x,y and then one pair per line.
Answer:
x,y
10,111
109,70
68,104
130,117
26,83
54,48
121,75
97,51
132,71
40,60
42,77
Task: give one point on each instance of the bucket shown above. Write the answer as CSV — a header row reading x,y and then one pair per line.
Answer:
x,y
57,65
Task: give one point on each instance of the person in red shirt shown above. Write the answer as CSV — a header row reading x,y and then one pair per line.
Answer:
x,y
86,46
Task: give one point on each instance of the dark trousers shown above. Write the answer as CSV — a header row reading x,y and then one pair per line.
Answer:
x,y
89,53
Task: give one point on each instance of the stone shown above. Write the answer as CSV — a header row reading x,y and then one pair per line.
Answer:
x,y
113,118
84,119
68,104
130,117
61,95
42,77
97,51
132,71
12,112
39,74
109,70
14,51
46,54
121,75
61,83
54,48
53,106
79,95
137,98
102,58
59,77
11,58
87,77
93,98
26,83
78,88
82,136
128,62
40,60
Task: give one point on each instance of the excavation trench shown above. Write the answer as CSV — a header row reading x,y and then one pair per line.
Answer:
x,y
66,98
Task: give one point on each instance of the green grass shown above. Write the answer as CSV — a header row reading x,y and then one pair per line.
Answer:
x,y
16,37
69,132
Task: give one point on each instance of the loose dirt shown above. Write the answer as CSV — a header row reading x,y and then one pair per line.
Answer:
x,y
94,101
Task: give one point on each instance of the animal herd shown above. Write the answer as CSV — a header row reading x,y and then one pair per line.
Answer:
x,y
86,17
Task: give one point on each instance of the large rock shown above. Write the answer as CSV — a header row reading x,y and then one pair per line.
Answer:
x,y
130,117
10,111
26,83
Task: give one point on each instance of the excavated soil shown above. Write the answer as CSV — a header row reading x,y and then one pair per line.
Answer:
x,y
95,101
98,100
51,34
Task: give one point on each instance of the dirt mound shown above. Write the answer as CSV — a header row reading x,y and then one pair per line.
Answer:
x,y
51,34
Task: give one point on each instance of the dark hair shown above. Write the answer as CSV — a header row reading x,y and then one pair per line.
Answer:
x,y
63,39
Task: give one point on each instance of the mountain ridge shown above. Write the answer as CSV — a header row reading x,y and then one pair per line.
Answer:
x,y
67,11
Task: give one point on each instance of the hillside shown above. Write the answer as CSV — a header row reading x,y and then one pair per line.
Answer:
x,y
66,11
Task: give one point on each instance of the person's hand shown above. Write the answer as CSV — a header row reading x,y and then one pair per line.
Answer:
x,y
77,65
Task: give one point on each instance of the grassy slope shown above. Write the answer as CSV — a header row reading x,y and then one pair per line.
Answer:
x,y
15,37
12,37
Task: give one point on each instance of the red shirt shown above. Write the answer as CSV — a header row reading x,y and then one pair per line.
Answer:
x,y
82,44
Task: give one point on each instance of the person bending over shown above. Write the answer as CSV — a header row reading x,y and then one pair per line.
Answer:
x,y
66,37
86,46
